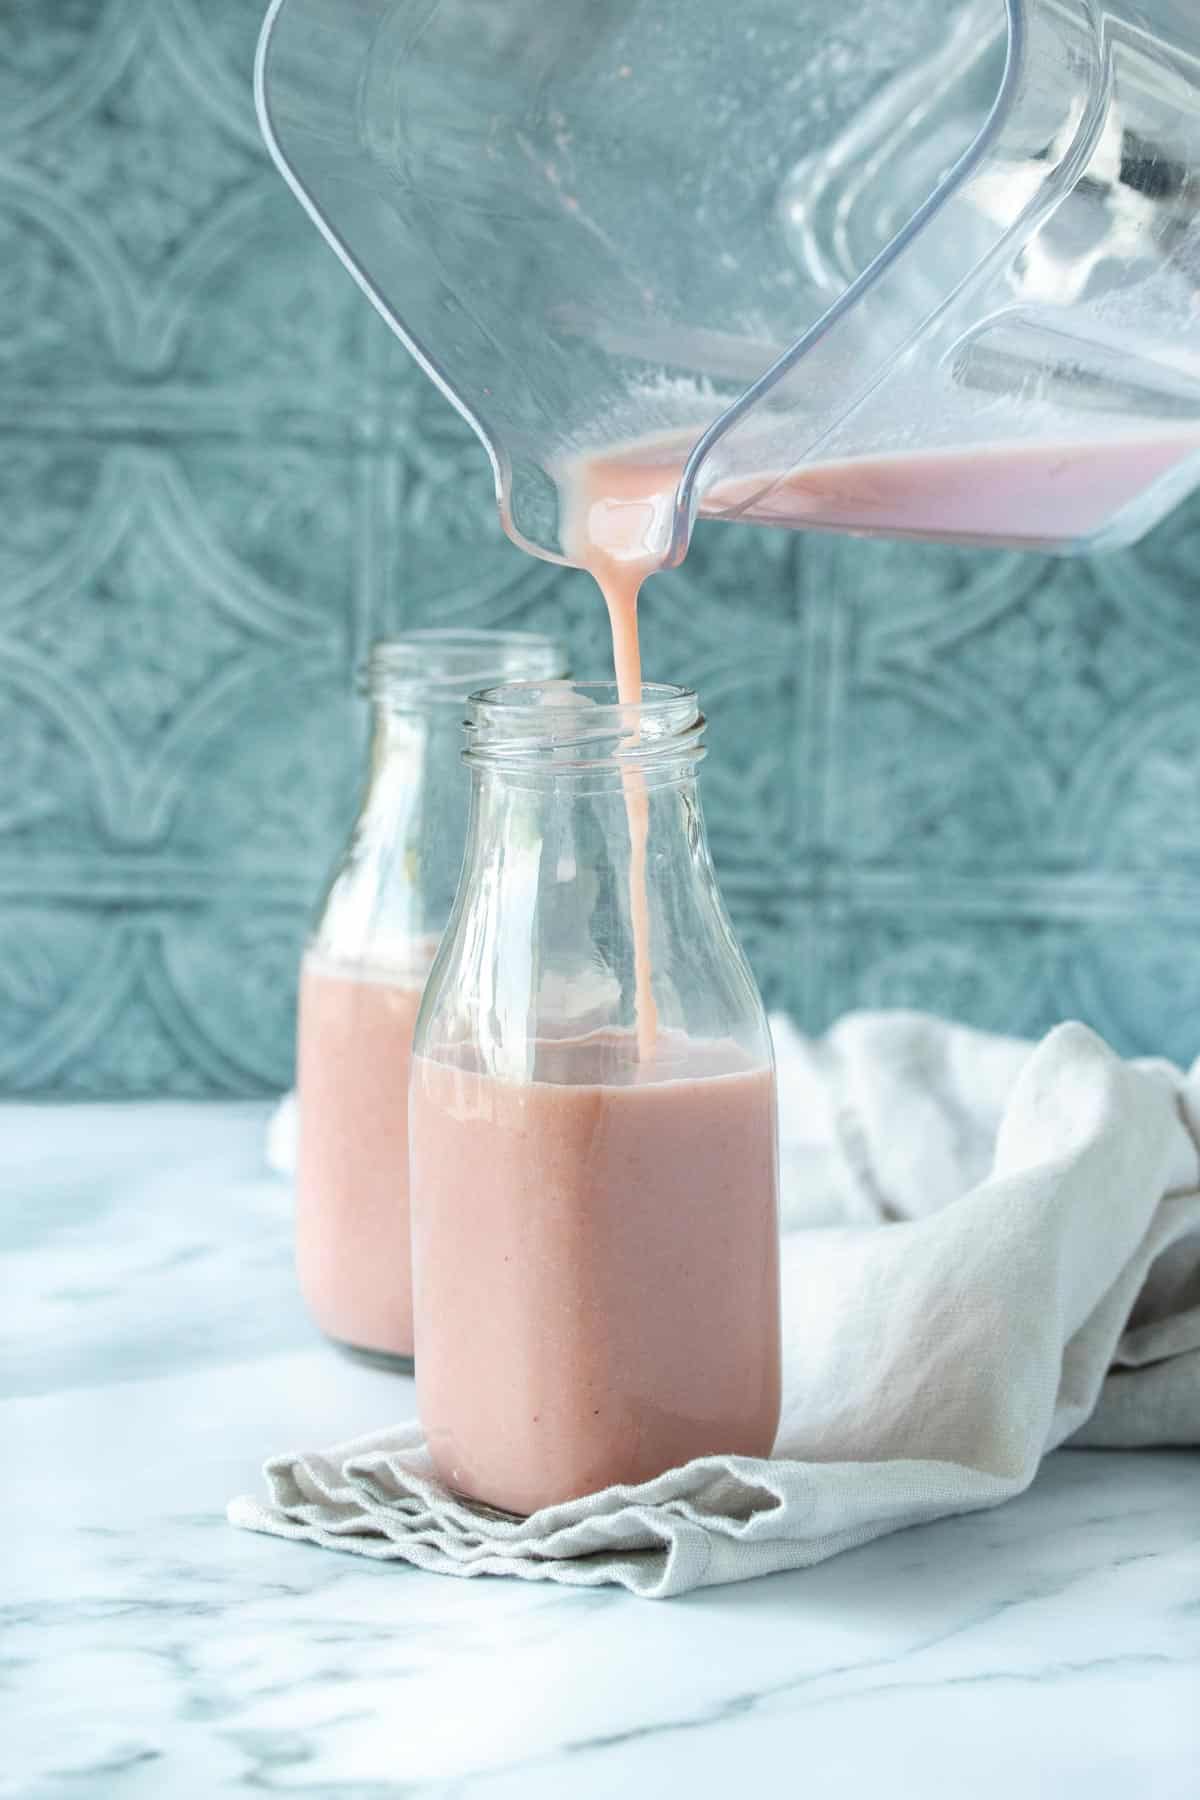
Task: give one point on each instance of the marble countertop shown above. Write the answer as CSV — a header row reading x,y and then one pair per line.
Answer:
x,y
154,1350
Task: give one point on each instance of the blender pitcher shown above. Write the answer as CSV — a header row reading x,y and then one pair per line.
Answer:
x,y
921,267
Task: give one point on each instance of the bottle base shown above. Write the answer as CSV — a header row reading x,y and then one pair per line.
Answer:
x,y
486,1508
389,1360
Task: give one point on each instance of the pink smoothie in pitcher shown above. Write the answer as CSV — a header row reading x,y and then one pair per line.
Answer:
x,y
617,523
1042,494
352,1216
604,1239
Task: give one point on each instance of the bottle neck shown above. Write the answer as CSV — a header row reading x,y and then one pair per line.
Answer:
x,y
570,814
394,886
588,903
418,687
407,746
414,812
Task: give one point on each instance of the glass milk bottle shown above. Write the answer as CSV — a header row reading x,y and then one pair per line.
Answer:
x,y
362,976
592,1119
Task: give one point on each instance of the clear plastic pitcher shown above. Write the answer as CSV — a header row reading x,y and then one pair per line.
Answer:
x,y
923,267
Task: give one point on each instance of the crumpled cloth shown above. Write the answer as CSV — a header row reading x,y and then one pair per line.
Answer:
x,y
990,1249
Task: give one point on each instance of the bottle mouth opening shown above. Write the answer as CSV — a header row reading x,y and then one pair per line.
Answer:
x,y
581,724
452,663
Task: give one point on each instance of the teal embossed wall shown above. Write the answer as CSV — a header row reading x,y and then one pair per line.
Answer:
x,y
938,778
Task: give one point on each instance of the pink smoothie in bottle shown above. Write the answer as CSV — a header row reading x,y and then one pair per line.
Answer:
x,y
604,1239
352,1216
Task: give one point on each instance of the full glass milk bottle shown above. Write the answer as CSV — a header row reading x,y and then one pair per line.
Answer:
x,y
592,1142
363,972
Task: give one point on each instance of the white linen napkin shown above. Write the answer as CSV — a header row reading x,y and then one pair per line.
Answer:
x,y
1016,1264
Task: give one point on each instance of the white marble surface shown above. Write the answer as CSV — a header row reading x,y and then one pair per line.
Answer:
x,y
154,1351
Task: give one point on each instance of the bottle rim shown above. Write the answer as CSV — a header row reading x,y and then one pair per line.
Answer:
x,y
451,662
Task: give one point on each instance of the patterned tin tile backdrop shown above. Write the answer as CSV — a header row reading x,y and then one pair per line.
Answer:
x,y
957,780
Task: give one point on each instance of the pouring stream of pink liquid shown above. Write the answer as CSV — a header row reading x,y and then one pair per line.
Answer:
x,y
613,510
